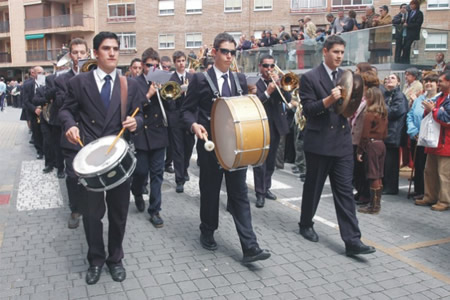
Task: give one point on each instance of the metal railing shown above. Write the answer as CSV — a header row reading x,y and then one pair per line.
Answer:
x,y
4,27
5,57
43,55
54,22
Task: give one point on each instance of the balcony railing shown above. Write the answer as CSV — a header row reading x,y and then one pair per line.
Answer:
x,y
54,22
4,27
5,57
374,45
43,55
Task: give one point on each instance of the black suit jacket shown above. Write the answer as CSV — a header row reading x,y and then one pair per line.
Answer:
x,y
83,99
27,96
326,133
155,134
199,98
274,108
50,95
173,107
414,25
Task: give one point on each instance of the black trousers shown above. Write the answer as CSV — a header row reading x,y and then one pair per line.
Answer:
x,y
340,171
93,208
49,153
75,190
406,53
398,50
262,175
56,142
419,167
211,175
360,182
181,144
36,132
391,170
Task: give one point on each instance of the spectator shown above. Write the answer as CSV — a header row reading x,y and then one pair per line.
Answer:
x,y
339,22
382,37
268,39
384,17
399,21
413,120
281,33
310,28
2,92
437,166
294,35
351,23
244,44
412,87
321,35
330,19
397,107
413,24
440,63
367,20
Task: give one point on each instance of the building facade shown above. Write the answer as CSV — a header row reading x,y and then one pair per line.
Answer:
x,y
36,32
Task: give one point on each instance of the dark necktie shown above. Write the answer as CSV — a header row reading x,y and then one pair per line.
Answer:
x,y
182,79
334,77
226,92
105,94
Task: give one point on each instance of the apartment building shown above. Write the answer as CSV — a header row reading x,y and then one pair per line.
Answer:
x,y
36,32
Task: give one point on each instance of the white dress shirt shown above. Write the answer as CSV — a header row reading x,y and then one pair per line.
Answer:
x,y
220,79
99,76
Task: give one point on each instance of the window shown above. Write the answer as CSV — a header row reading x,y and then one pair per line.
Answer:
x,y
166,7
436,41
351,2
233,5
121,9
193,6
257,34
437,4
301,4
166,41
263,4
194,40
236,35
127,40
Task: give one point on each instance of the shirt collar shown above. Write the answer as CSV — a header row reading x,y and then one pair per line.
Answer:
x,y
179,75
101,74
218,72
329,71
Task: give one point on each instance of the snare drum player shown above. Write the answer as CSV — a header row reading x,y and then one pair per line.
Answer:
x,y
96,97
196,111
328,149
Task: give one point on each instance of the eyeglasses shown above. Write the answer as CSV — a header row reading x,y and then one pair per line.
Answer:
x,y
166,67
227,51
268,65
152,65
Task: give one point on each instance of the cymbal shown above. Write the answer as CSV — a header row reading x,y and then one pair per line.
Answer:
x,y
352,91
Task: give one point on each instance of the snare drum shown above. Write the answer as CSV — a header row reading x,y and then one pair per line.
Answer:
x,y
240,131
99,171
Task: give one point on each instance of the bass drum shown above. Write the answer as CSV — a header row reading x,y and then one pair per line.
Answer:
x,y
99,171
240,131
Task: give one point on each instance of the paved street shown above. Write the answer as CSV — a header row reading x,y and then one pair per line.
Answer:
x,y
40,258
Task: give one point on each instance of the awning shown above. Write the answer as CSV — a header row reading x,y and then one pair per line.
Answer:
x,y
34,36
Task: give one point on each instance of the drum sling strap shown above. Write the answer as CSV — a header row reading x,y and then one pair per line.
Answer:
x,y
123,97
213,87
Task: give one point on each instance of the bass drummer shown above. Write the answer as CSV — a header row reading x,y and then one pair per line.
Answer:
x,y
95,97
204,88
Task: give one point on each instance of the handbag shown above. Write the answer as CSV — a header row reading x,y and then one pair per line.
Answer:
x,y
430,131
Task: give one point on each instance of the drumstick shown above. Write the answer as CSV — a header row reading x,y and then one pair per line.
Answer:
x,y
121,132
209,145
80,142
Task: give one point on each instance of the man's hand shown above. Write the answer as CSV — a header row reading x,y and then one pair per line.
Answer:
x,y
73,134
359,157
38,110
130,124
199,130
151,91
334,97
428,105
271,88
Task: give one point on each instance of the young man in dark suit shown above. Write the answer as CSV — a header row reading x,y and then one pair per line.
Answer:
x,y
151,143
95,97
196,111
278,124
181,140
78,50
412,26
328,149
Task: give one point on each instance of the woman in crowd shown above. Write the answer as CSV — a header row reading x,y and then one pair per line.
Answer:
x,y
413,119
397,107
351,23
371,149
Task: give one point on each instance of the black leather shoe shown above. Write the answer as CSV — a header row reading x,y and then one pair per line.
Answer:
x,y
179,188
93,274
270,195
169,169
187,178
309,233
255,254
156,220
47,169
295,170
40,156
61,174
207,241
260,201
140,203
358,248
118,272
74,220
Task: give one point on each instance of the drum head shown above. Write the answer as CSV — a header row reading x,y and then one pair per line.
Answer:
x,y
92,158
223,133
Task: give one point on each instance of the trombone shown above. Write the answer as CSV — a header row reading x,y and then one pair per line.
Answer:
x,y
288,82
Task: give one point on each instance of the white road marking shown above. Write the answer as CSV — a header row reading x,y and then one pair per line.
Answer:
x,y
300,198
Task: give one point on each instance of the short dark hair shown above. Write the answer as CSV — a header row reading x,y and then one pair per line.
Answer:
x,y
416,2
165,58
265,56
330,15
223,37
403,4
333,40
282,27
77,41
177,54
101,36
352,14
135,60
431,77
446,75
150,53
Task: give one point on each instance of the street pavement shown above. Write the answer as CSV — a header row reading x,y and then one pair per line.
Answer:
x,y
40,258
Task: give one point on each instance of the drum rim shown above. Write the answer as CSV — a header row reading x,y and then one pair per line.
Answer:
x,y
213,131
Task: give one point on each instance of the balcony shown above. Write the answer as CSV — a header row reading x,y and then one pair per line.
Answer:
x,y
5,57
65,23
43,55
4,27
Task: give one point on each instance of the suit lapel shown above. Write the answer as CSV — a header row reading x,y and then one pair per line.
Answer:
x,y
114,103
212,74
91,90
325,80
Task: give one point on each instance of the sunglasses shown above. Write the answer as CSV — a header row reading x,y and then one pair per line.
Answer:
x,y
152,65
227,51
268,65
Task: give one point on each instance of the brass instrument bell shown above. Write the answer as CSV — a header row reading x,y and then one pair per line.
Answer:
x,y
171,90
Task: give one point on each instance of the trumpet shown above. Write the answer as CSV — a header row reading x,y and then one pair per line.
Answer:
x,y
171,90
